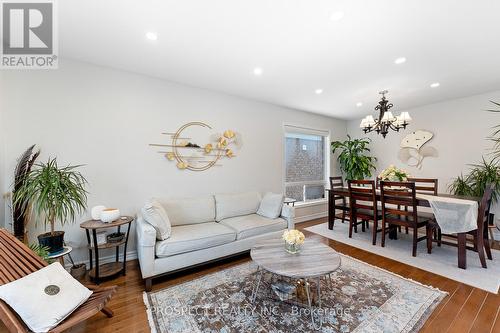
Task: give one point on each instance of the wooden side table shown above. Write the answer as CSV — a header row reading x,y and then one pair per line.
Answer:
x,y
112,268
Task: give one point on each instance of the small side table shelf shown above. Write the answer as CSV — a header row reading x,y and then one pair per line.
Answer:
x,y
105,270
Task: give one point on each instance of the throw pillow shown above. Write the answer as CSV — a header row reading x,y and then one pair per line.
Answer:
x,y
271,205
155,214
45,298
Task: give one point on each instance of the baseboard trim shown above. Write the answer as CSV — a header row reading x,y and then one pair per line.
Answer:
x,y
310,217
131,255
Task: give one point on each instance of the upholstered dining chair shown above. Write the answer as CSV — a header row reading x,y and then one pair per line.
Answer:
x,y
363,206
394,196
339,201
481,243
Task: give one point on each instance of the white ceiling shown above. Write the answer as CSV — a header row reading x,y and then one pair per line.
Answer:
x,y
216,44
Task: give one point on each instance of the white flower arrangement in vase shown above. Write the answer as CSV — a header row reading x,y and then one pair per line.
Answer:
x,y
394,174
293,240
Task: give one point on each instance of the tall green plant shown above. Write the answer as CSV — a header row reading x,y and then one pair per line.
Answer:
x,y
354,158
55,193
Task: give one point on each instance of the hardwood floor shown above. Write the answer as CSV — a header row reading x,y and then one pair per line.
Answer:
x,y
465,309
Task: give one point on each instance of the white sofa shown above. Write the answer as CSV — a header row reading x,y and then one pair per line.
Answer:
x,y
205,229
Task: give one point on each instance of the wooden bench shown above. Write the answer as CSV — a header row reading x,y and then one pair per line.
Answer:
x,y
17,261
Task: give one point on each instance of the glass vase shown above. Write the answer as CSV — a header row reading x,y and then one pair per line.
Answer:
x,y
292,248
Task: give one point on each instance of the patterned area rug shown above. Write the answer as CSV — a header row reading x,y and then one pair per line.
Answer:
x,y
358,298
442,261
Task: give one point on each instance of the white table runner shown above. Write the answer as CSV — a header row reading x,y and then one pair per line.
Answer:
x,y
453,215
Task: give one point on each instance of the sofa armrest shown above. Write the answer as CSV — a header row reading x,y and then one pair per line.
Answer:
x,y
288,213
146,242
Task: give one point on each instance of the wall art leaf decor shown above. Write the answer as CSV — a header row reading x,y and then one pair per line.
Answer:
x,y
192,148
414,149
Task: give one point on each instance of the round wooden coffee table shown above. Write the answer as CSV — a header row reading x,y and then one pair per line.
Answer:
x,y
316,260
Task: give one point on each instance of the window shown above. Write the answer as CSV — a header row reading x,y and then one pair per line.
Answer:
x,y
306,163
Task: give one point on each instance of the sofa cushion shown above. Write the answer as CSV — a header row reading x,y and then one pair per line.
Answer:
x,y
190,210
154,213
188,238
252,225
270,206
237,204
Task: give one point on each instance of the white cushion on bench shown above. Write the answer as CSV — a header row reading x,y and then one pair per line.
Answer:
x,y
38,309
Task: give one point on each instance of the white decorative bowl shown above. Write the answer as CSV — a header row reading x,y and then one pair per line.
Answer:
x,y
110,215
96,212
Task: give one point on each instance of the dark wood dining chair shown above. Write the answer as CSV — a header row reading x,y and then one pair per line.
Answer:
x,y
394,196
480,240
339,201
425,185
363,206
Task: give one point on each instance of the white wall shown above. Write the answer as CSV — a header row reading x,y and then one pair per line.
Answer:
x,y
105,119
460,129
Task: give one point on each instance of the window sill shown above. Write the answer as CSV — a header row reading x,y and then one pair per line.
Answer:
x,y
311,203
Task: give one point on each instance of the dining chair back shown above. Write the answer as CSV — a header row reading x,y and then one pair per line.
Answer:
x,y
483,218
363,206
399,208
425,185
363,196
339,201
336,182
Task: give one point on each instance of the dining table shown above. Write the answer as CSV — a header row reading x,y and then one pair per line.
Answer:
x,y
422,201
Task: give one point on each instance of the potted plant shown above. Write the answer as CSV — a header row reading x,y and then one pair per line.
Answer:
x,y
474,183
354,160
55,194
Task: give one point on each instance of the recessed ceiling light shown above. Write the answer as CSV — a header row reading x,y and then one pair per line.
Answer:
x,y
400,60
358,104
151,36
435,85
257,71
318,91
337,16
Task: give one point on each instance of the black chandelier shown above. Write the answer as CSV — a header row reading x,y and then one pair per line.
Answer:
x,y
386,119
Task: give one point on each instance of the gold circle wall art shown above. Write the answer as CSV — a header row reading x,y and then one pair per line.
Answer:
x,y
196,147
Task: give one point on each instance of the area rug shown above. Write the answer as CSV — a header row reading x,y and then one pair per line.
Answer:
x,y
442,260
359,298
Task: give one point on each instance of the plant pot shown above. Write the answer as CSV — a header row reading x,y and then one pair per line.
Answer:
x,y
78,271
54,241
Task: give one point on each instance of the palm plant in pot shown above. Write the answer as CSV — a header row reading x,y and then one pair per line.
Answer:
x,y
354,160
56,194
